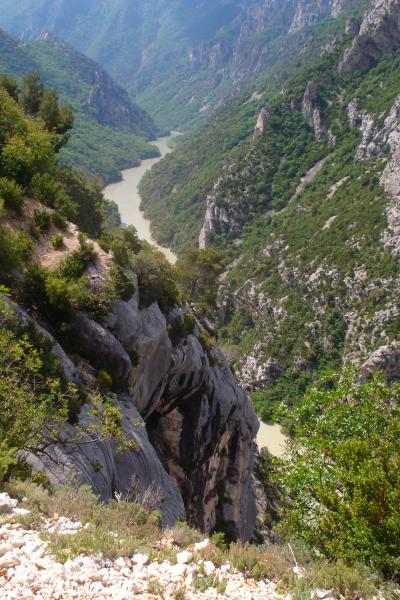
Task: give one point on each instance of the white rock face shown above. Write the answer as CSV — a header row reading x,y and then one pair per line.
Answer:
x,y
378,36
372,144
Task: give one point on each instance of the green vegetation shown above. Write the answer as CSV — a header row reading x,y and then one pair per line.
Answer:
x,y
42,220
57,241
198,273
11,194
98,148
341,478
156,277
36,403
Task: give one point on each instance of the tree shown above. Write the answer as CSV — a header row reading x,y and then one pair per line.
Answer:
x,y
10,85
198,273
131,238
36,406
342,475
32,93
57,120
49,110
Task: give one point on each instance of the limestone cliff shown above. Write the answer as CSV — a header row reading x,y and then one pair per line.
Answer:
x,y
379,36
192,425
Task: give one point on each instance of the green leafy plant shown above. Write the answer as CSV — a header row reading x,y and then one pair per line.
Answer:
x,y
342,478
42,220
11,194
57,241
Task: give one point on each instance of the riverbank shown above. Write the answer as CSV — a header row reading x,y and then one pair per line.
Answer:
x,y
126,195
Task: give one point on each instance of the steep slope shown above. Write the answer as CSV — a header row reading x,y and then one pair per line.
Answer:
x,y
179,58
110,130
82,81
102,339
306,207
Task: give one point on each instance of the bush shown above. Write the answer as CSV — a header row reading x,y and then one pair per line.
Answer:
x,y
48,191
75,263
156,277
11,193
181,327
116,529
59,221
123,284
57,241
120,252
342,477
42,220
104,380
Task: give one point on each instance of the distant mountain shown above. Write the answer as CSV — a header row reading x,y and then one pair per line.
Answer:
x,y
180,58
84,82
110,131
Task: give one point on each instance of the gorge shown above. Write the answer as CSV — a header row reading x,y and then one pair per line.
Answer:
x,y
175,307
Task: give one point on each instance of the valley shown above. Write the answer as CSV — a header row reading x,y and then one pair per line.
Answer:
x,y
199,299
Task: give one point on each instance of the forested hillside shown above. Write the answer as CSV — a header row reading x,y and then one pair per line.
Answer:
x,y
180,59
110,131
288,182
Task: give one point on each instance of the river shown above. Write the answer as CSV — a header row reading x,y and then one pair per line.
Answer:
x,y
271,436
126,195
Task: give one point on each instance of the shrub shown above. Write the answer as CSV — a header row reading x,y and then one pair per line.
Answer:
x,y
131,239
344,581
116,529
22,246
42,220
120,252
123,284
11,193
59,221
104,380
58,294
57,241
74,264
48,191
218,538
156,278
176,330
10,85
342,477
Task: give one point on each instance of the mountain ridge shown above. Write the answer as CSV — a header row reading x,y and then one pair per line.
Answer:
x,y
106,116
182,61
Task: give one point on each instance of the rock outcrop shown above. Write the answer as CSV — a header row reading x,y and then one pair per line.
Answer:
x,y
314,114
374,142
311,11
192,425
216,220
107,102
262,121
386,359
379,36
